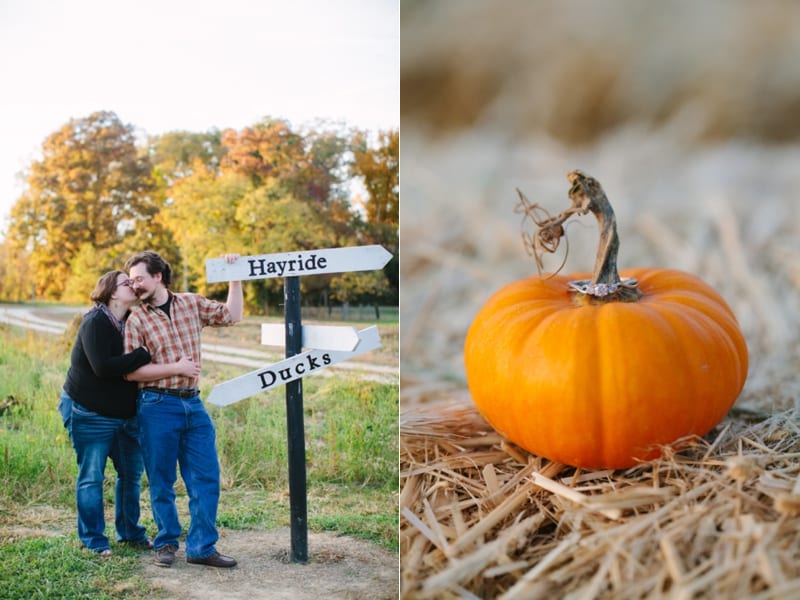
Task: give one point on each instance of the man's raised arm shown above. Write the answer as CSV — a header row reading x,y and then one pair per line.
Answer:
x,y
235,299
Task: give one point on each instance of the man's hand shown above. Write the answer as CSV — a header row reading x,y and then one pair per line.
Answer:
x,y
235,299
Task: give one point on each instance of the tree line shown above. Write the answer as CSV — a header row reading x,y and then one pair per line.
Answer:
x,y
95,197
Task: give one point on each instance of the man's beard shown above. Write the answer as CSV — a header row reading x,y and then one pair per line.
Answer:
x,y
146,296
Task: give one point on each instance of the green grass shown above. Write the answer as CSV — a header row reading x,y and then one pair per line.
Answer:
x,y
350,427
351,455
55,567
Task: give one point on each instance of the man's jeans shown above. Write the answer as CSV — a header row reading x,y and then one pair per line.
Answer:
x,y
179,430
95,438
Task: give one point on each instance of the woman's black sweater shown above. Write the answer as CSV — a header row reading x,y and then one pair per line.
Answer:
x,y
94,379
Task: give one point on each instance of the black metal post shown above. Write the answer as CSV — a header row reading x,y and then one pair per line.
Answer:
x,y
294,425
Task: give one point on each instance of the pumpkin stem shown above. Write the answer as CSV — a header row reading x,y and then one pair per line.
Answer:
x,y
587,195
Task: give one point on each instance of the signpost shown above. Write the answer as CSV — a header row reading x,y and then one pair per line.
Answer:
x,y
295,430
290,369
327,346
322,337
297,264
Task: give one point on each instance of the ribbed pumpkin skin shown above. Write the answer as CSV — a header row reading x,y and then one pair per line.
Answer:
x,y
604,385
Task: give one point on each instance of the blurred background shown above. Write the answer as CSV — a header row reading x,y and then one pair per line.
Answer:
x,y
687,113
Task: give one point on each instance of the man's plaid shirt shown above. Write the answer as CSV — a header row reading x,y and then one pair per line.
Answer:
x,y
170,339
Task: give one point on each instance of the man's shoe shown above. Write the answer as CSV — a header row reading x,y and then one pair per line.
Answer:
x,y
165,555
215,560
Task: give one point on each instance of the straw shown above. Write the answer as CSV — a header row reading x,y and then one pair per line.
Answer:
x,y
718,518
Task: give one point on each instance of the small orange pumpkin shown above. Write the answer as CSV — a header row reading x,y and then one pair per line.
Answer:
x,y
603,373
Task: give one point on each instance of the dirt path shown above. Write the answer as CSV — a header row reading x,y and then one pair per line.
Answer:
x,y
338,567
31,319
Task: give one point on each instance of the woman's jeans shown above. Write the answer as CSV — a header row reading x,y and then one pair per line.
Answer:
x,y
95,438
172,431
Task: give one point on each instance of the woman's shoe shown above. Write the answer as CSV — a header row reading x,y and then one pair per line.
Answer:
x,y
144,544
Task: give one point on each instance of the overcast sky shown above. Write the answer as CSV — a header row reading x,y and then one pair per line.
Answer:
x,y
165,65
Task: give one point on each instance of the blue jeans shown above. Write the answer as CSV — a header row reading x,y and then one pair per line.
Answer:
x,y
179,431
95,438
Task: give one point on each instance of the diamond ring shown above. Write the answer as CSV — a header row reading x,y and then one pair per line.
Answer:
x,y
585,286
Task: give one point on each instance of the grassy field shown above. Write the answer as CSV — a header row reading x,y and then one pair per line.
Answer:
x,y
351,441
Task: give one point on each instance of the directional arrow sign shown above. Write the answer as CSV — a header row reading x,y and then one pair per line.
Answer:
x,y
282,372
320,337
289,264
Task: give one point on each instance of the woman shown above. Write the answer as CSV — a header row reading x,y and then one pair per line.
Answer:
x,y
98,408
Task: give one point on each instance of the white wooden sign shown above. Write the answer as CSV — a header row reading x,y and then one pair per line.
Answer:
x,y
321,337
290,264
293,368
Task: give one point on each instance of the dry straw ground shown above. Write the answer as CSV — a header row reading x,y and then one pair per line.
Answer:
x,y
698,183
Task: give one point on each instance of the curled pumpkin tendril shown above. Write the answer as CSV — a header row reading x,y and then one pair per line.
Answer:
x,y
548,232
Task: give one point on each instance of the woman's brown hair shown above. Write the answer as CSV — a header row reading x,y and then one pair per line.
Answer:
x,y
106,285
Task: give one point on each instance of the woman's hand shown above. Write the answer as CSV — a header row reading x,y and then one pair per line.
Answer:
x,y
188,368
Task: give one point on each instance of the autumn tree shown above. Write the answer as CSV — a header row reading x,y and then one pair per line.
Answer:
x,y
378,168
268,150
376,164
272,220
319,175
91,186
201,215
309,166
298,200
177,154
86,267
17,283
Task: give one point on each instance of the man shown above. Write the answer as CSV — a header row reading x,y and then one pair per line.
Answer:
x,y
174,426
